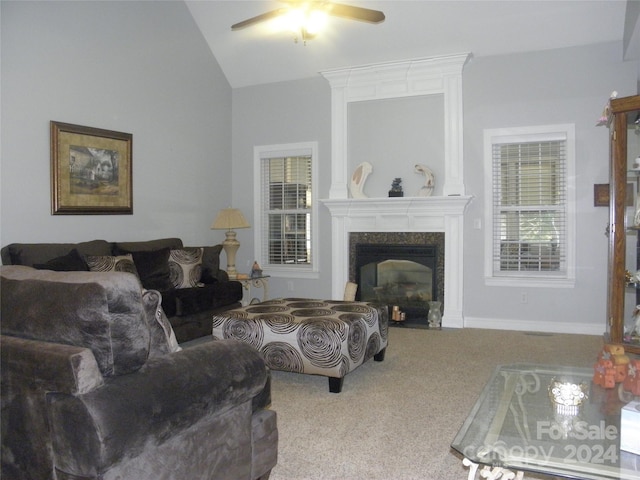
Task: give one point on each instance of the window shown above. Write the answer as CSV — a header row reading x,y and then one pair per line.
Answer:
x,y
286,210
529,193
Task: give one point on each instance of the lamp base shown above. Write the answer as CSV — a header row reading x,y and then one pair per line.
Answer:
x,y
231,246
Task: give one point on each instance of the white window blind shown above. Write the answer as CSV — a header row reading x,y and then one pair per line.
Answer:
x,y
287,209
530,208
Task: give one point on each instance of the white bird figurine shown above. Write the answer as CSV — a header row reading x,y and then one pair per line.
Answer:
x,y
358,178
429,180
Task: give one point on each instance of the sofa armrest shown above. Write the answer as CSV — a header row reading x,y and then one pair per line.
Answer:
x,y
49,366
161,400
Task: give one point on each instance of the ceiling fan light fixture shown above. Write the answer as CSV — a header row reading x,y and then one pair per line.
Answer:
x,y
304,22
308,18
316,21
293,19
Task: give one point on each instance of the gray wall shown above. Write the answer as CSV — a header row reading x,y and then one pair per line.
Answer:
x,y
556,86
278,113
136,67
394,135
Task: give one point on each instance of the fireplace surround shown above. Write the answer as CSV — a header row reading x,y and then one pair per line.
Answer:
x,y
403,215
398,268
404,269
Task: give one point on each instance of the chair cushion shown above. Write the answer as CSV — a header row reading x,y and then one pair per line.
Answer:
x,y
100,311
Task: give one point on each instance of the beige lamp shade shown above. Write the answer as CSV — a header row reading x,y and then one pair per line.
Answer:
x,y
229,219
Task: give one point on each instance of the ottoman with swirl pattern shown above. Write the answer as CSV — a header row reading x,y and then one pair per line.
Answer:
x,y
318,337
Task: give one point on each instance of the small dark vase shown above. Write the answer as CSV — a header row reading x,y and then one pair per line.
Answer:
x,y
396,188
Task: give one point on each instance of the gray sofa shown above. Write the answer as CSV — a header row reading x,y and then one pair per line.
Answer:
x,y
94,386
189,309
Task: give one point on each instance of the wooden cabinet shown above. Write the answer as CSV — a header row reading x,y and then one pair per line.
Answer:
x,y
622,294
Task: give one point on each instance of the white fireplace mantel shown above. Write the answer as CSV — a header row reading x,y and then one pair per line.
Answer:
x,y
403,214
422,76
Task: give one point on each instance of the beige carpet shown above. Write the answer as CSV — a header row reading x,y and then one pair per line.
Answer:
x,y
395,420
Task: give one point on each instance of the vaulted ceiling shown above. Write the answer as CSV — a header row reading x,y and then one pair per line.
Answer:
x,y
412,29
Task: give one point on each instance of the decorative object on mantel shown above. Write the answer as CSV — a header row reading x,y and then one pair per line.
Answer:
x,y
396,188
358,179
429,180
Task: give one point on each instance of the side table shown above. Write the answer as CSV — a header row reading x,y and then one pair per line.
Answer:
x,y
248,282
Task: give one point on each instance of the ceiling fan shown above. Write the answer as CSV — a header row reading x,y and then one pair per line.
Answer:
x,y
306,16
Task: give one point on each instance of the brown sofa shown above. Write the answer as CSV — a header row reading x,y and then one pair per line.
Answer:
x,y
190,310
94,386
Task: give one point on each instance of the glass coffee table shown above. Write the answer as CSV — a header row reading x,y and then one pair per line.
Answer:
x,y
515,427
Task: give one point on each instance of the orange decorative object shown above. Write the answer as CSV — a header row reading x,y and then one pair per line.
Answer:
x,y
614,349
632,381
619,362
604,374
620,373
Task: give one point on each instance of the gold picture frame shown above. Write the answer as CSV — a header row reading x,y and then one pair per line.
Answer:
x,y
601,195
91,171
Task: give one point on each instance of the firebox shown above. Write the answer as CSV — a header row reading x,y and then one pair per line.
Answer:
x,y
395,274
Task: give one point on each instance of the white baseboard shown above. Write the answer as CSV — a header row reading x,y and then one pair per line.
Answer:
x,y
534,326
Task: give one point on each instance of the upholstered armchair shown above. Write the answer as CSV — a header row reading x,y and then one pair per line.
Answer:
x,y
94,386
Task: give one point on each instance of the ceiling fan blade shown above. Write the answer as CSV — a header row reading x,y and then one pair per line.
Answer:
x,y
355,13
257,19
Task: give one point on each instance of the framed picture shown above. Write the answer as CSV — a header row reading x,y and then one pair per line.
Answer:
x,y
601,195
91,171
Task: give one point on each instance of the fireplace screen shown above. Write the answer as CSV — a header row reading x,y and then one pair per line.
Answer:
x,y
403,275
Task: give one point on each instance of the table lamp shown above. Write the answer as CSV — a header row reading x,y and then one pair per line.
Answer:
x,y
229,219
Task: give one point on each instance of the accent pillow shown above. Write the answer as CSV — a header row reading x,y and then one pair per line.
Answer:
x,y
105,263
185,267
71,262
153,268
211,272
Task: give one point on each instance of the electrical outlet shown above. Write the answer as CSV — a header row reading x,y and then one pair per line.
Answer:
x,y
524,298
290,285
